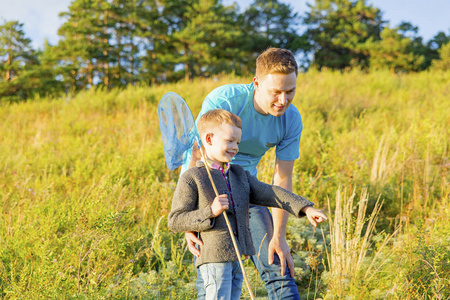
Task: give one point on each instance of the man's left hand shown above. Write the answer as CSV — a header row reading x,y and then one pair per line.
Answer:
x,y
280,247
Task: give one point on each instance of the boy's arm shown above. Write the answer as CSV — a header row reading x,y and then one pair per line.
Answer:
x,y
185,214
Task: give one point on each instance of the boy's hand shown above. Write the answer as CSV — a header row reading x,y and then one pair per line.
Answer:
x,y
219,204
314,215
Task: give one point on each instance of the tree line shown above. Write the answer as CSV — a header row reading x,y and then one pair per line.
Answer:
x,y
113,43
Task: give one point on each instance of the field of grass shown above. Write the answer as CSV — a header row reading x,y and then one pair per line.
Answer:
x,y
85,192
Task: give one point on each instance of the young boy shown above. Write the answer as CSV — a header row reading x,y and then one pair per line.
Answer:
x,y
196,208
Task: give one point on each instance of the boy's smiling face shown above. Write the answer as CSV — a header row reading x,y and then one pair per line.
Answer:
x,y
222,144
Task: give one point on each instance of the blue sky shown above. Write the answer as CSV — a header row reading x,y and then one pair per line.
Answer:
x,y
41,21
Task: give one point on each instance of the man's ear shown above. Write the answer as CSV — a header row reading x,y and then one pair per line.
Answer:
x,y
256,81
208,138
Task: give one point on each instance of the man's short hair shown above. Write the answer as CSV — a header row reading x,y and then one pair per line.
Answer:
x,y
276,61
215,118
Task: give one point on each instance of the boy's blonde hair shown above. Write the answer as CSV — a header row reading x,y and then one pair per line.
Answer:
x,y
214,118
276,61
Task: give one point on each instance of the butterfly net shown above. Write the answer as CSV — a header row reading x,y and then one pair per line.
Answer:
x,y
177,126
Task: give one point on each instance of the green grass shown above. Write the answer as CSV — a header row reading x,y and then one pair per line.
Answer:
x,y
85,191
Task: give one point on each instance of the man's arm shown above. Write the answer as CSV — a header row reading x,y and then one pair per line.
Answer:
x,y
282,176
195,155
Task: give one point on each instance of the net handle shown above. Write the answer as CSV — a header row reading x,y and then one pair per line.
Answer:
x,y
233,239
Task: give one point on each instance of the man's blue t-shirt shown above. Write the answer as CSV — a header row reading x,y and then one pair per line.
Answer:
x,y
259,132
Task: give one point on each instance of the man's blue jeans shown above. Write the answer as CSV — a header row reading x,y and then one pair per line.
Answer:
x,y
277,286
221,281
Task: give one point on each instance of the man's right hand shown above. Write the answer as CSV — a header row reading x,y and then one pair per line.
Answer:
x,y
195,155
192,239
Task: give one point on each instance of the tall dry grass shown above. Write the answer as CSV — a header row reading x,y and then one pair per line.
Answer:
x,y
353,255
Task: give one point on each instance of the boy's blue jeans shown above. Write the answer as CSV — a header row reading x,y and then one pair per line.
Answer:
x,y
221,280
277,286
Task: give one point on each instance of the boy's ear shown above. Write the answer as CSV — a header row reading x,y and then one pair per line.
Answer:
x,y
208,138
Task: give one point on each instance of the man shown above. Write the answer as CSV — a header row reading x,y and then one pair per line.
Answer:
x,y
268,120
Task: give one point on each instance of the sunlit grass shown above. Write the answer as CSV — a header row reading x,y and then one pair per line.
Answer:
x,y
84,189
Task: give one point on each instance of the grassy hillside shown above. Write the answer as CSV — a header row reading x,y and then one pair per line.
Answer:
x,y
84,192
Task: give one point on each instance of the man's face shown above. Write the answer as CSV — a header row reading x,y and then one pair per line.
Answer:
x,y
223,143
274,93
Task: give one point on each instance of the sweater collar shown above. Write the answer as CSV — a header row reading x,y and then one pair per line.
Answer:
x,y
224,167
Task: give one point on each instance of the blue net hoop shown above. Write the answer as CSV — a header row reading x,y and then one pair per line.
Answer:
x,y
177,127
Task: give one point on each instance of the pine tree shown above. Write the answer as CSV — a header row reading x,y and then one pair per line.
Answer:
x,y
338,32
273,24
157,19
203,37
17,63
78,46
418,47
125,32
433,47
105,42
443,63
394,52
50,71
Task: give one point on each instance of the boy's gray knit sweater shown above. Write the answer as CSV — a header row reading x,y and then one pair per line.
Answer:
x,y
191,209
